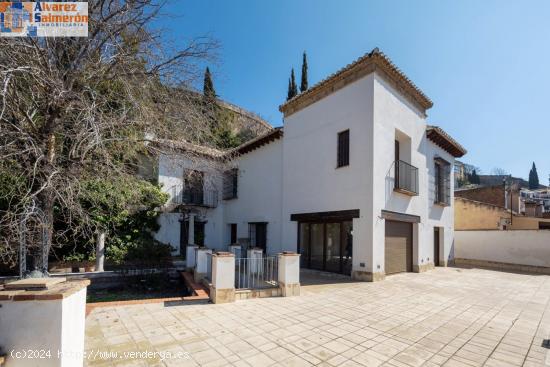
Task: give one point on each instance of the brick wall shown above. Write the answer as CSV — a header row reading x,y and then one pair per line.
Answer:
x,y
493,195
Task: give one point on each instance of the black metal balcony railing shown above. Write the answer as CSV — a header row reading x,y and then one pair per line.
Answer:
x,y
406,178
194,197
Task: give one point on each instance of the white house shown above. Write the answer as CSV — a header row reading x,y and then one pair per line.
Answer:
x,y
355,181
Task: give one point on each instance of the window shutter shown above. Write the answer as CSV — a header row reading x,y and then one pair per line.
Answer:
x,y
343,148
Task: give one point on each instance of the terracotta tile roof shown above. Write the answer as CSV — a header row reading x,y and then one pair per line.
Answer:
x,y
445,141
372,61
259,141
187,147
184,146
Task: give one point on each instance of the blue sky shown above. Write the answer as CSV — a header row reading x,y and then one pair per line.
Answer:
x,y
485,64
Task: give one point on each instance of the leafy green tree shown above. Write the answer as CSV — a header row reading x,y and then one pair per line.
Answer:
x,y
74,109
224,122
474,178
124,208
533,178
304,84
208,86
225,137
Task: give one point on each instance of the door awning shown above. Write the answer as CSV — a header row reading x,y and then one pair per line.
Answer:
x,y
400,217
338,215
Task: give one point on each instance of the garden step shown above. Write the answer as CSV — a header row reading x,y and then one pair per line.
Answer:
x,y
199,291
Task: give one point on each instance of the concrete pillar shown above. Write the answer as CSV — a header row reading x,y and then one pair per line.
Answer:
x,y
235,250
368,259
202,264
222,289
51,319
191,230
289,273
190,256
100,251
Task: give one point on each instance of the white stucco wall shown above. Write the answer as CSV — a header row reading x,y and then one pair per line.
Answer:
x,y
311,180
169,231
438,215
171,173
395,117
523,247
259,195
375,113
299,174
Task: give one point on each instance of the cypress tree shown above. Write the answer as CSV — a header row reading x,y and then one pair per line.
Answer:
x,y
533,178
292,87
474,178
289,92
208,87
303,84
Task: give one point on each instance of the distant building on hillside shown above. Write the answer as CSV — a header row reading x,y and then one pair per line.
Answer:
x,y
535,202
460,175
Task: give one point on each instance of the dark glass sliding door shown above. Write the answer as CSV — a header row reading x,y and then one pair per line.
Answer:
x,y
316,246
326,246
333,255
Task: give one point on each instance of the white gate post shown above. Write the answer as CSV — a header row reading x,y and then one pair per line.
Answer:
x,y
201,265
289,273
222,289
50,319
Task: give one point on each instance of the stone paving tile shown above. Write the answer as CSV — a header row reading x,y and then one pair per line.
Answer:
x,y
445,317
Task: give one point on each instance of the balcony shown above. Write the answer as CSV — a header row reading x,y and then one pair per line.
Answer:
x,y
406,178
193,197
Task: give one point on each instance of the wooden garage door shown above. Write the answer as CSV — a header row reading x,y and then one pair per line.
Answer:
x,y
398,247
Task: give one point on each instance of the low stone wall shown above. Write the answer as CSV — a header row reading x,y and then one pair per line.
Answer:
x,y
521,250
112,279
502,266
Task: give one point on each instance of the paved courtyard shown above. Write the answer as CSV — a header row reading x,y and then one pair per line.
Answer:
x,y
445,317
